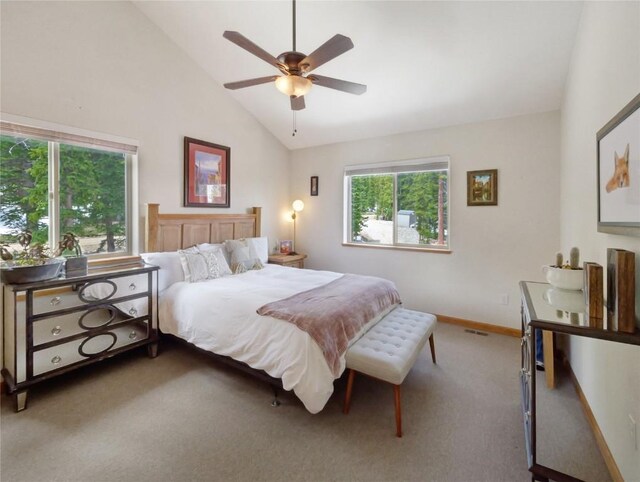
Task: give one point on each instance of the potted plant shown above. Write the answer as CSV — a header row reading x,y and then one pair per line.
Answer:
x,y
69,248
31,264
568,276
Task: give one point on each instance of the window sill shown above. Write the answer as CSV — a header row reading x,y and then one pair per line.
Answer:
x,y
398,248
112,261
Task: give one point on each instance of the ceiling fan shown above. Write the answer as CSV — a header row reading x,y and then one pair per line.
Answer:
x,y
296,67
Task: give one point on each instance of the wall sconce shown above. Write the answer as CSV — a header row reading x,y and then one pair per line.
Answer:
x,y
297,207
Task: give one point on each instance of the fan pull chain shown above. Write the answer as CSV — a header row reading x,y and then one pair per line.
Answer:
x,y
295,126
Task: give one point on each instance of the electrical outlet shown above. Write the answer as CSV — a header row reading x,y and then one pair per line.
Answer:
x,y
633,431
504,298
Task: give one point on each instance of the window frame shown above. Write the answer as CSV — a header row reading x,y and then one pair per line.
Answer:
x,y
55,135
424,164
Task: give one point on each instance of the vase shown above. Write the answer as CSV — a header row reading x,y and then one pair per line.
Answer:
x,y
76,266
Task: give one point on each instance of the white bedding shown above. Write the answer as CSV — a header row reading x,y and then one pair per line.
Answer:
x,y
220,316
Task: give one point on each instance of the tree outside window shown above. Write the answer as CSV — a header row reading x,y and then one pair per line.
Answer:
x,y
406,206
91,187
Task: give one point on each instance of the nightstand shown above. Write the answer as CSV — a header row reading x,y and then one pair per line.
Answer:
x,y
288,260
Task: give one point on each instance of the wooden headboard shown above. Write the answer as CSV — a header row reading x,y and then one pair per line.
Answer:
x,y
170,232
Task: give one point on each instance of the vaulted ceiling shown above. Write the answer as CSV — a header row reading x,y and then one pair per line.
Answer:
x,y
426,64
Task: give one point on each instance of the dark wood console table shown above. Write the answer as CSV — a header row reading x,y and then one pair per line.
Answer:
x,y
556,311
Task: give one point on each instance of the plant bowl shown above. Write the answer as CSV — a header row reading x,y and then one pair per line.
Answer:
x,y
16,274
565,279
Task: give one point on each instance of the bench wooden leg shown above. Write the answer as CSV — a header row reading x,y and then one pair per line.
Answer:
x,y
347,397
396,393
433,348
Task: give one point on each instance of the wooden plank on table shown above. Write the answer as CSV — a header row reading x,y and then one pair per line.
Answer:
x,y
593,293
621,290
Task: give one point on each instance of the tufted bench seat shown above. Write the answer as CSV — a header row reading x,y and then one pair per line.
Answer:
x,y
388,351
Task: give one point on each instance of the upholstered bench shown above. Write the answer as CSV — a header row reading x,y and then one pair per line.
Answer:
x,y
389,350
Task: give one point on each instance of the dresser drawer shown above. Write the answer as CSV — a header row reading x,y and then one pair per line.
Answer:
x,y
83,349
114,288
63,326
46,301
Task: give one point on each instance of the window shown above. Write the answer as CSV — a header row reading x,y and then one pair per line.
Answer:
x,y
403,204
52,183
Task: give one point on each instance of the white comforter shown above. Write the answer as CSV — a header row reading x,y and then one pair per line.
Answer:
x,y
220,316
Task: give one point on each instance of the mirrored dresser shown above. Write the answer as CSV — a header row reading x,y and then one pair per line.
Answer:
x,y
547,310
52,327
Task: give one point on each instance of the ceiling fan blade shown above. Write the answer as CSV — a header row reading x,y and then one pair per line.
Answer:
x,y
241,84
297,103
337,45
243,42
337,84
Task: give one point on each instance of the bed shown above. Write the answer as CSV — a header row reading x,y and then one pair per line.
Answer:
x,y
219,315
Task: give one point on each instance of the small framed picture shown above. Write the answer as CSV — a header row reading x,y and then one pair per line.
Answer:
x,y
286,246
482,188
314,185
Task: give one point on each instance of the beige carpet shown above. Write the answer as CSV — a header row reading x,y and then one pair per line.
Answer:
x,y
183,416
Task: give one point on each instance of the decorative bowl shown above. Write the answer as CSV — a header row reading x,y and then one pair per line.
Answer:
x,y
16,274
565,279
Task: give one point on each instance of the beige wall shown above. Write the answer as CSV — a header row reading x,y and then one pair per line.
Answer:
x,y
493,247
103,66
604,76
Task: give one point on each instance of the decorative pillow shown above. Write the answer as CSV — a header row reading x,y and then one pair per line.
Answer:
x,y
217,251
220,246
213,265
241,259
170,268
259,248
194,265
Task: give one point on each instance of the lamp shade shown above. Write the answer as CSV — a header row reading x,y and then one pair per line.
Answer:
x,y
298,205
293,85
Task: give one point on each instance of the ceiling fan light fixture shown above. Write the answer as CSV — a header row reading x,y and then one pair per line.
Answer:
x,y
293,85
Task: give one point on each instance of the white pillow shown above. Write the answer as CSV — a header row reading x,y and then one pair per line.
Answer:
x,y
194,265
220,246
219,251
259,248
241,257
170,268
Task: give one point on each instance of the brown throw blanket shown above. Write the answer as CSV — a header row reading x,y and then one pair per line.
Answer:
x,y
335,313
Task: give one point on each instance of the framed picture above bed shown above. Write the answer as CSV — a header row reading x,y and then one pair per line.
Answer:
x,y
207,174
619,172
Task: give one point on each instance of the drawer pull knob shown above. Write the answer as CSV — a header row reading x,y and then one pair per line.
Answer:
x,y
56,360
56,331
55,301
133,312
132,286
133,335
